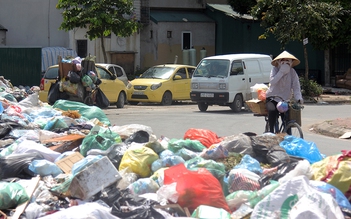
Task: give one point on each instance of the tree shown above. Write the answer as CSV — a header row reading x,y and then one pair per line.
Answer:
x,y
100,17
299,20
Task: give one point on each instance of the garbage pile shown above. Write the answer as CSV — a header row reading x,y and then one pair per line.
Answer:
x,y
67,161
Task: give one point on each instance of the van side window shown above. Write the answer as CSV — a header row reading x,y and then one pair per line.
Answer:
x,y
237,68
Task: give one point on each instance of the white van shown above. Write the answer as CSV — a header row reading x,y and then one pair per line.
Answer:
x,y
226,80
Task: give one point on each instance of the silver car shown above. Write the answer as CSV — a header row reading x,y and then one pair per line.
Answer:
x,y
117,70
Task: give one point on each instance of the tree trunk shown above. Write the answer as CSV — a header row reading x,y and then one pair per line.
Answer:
x,y
103,48
306,61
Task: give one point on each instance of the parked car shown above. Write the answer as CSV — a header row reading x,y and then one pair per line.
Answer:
x,y
161,84
116,70
114,89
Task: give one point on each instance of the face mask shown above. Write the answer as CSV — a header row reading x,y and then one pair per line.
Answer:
x,y
289,62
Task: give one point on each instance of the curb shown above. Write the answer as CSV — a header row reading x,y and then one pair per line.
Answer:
x,y
326,129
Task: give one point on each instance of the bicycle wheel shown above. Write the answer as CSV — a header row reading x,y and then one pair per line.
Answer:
x,y
295,129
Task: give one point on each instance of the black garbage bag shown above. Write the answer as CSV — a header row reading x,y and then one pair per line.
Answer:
x,y
129,206
114,153
140,136
16,165
101,99
282,170
54,93
268,150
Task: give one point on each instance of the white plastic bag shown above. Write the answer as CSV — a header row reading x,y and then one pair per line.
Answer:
x,y
297,199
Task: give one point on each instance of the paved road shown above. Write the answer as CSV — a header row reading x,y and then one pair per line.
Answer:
x,y
173,121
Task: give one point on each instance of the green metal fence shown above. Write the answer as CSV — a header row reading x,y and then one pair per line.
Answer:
x,y
22,66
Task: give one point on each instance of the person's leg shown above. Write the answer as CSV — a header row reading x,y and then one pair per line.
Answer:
x,y
272,114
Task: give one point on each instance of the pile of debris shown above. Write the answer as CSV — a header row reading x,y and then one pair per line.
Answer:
x,y
68,161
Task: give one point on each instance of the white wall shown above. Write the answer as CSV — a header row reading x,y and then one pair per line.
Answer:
x,y
32,23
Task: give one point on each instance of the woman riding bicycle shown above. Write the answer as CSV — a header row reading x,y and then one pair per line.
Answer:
x,y
284,82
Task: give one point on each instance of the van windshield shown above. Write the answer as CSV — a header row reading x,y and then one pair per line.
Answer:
x,y
212,68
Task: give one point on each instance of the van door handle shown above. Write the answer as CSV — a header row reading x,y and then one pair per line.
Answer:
x,y
250,80
243,79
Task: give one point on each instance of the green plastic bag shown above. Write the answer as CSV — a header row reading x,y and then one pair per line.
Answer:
x,y
12,195
99,138
194,145
89,112
217,169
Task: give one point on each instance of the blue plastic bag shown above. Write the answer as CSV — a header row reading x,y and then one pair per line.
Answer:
x,y
301,148
249,163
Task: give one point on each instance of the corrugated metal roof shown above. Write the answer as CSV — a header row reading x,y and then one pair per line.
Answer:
x,y
49,55
229,11
178,16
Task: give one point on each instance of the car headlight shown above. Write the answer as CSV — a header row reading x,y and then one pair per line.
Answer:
x,y
222,86
129,85
194,85
155,86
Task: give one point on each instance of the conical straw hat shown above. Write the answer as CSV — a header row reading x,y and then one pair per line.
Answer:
x,y
285,55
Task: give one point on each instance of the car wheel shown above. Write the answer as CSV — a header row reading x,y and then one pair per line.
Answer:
x,y
202,106
120,100
167,99
133,103
237,103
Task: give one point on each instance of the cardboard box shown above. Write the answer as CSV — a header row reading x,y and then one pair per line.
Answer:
x,y
257,106
93,179
67,163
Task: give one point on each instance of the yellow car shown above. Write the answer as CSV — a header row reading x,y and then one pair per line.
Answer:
x,y
114,89
161,84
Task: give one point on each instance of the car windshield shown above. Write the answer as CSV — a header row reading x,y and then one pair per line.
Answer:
x,y
212,68
51,73
158,72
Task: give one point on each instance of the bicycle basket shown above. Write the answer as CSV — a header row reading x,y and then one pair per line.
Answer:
x,y
295,114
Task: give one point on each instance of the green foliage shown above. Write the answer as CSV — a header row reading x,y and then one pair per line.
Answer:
x,y
310,88
295,20
99,17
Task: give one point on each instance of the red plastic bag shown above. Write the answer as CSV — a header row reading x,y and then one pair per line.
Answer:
x,y
206,137
261,94
196,188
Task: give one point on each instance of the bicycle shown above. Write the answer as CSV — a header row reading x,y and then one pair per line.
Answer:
x,y
287,124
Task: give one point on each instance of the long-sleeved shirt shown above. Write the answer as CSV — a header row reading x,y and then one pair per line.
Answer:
x,y
284,85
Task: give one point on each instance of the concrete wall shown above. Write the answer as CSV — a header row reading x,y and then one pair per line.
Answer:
x,y
159,49
32,23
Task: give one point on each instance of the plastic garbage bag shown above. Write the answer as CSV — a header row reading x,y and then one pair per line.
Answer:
x,y
204,211
131,206
17,165
206,137
186,154
240,143
214,152
217,169
192,185
143,185
12,194
243,179
194,145
140,136
44,168
89,112
249,163
139,158
301,148
99,138
296,199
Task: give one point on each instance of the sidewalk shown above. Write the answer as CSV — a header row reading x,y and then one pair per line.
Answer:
x,y
338,128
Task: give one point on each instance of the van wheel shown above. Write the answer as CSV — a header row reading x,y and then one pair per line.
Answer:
x,y
167,99
237,103
120,100
202,106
